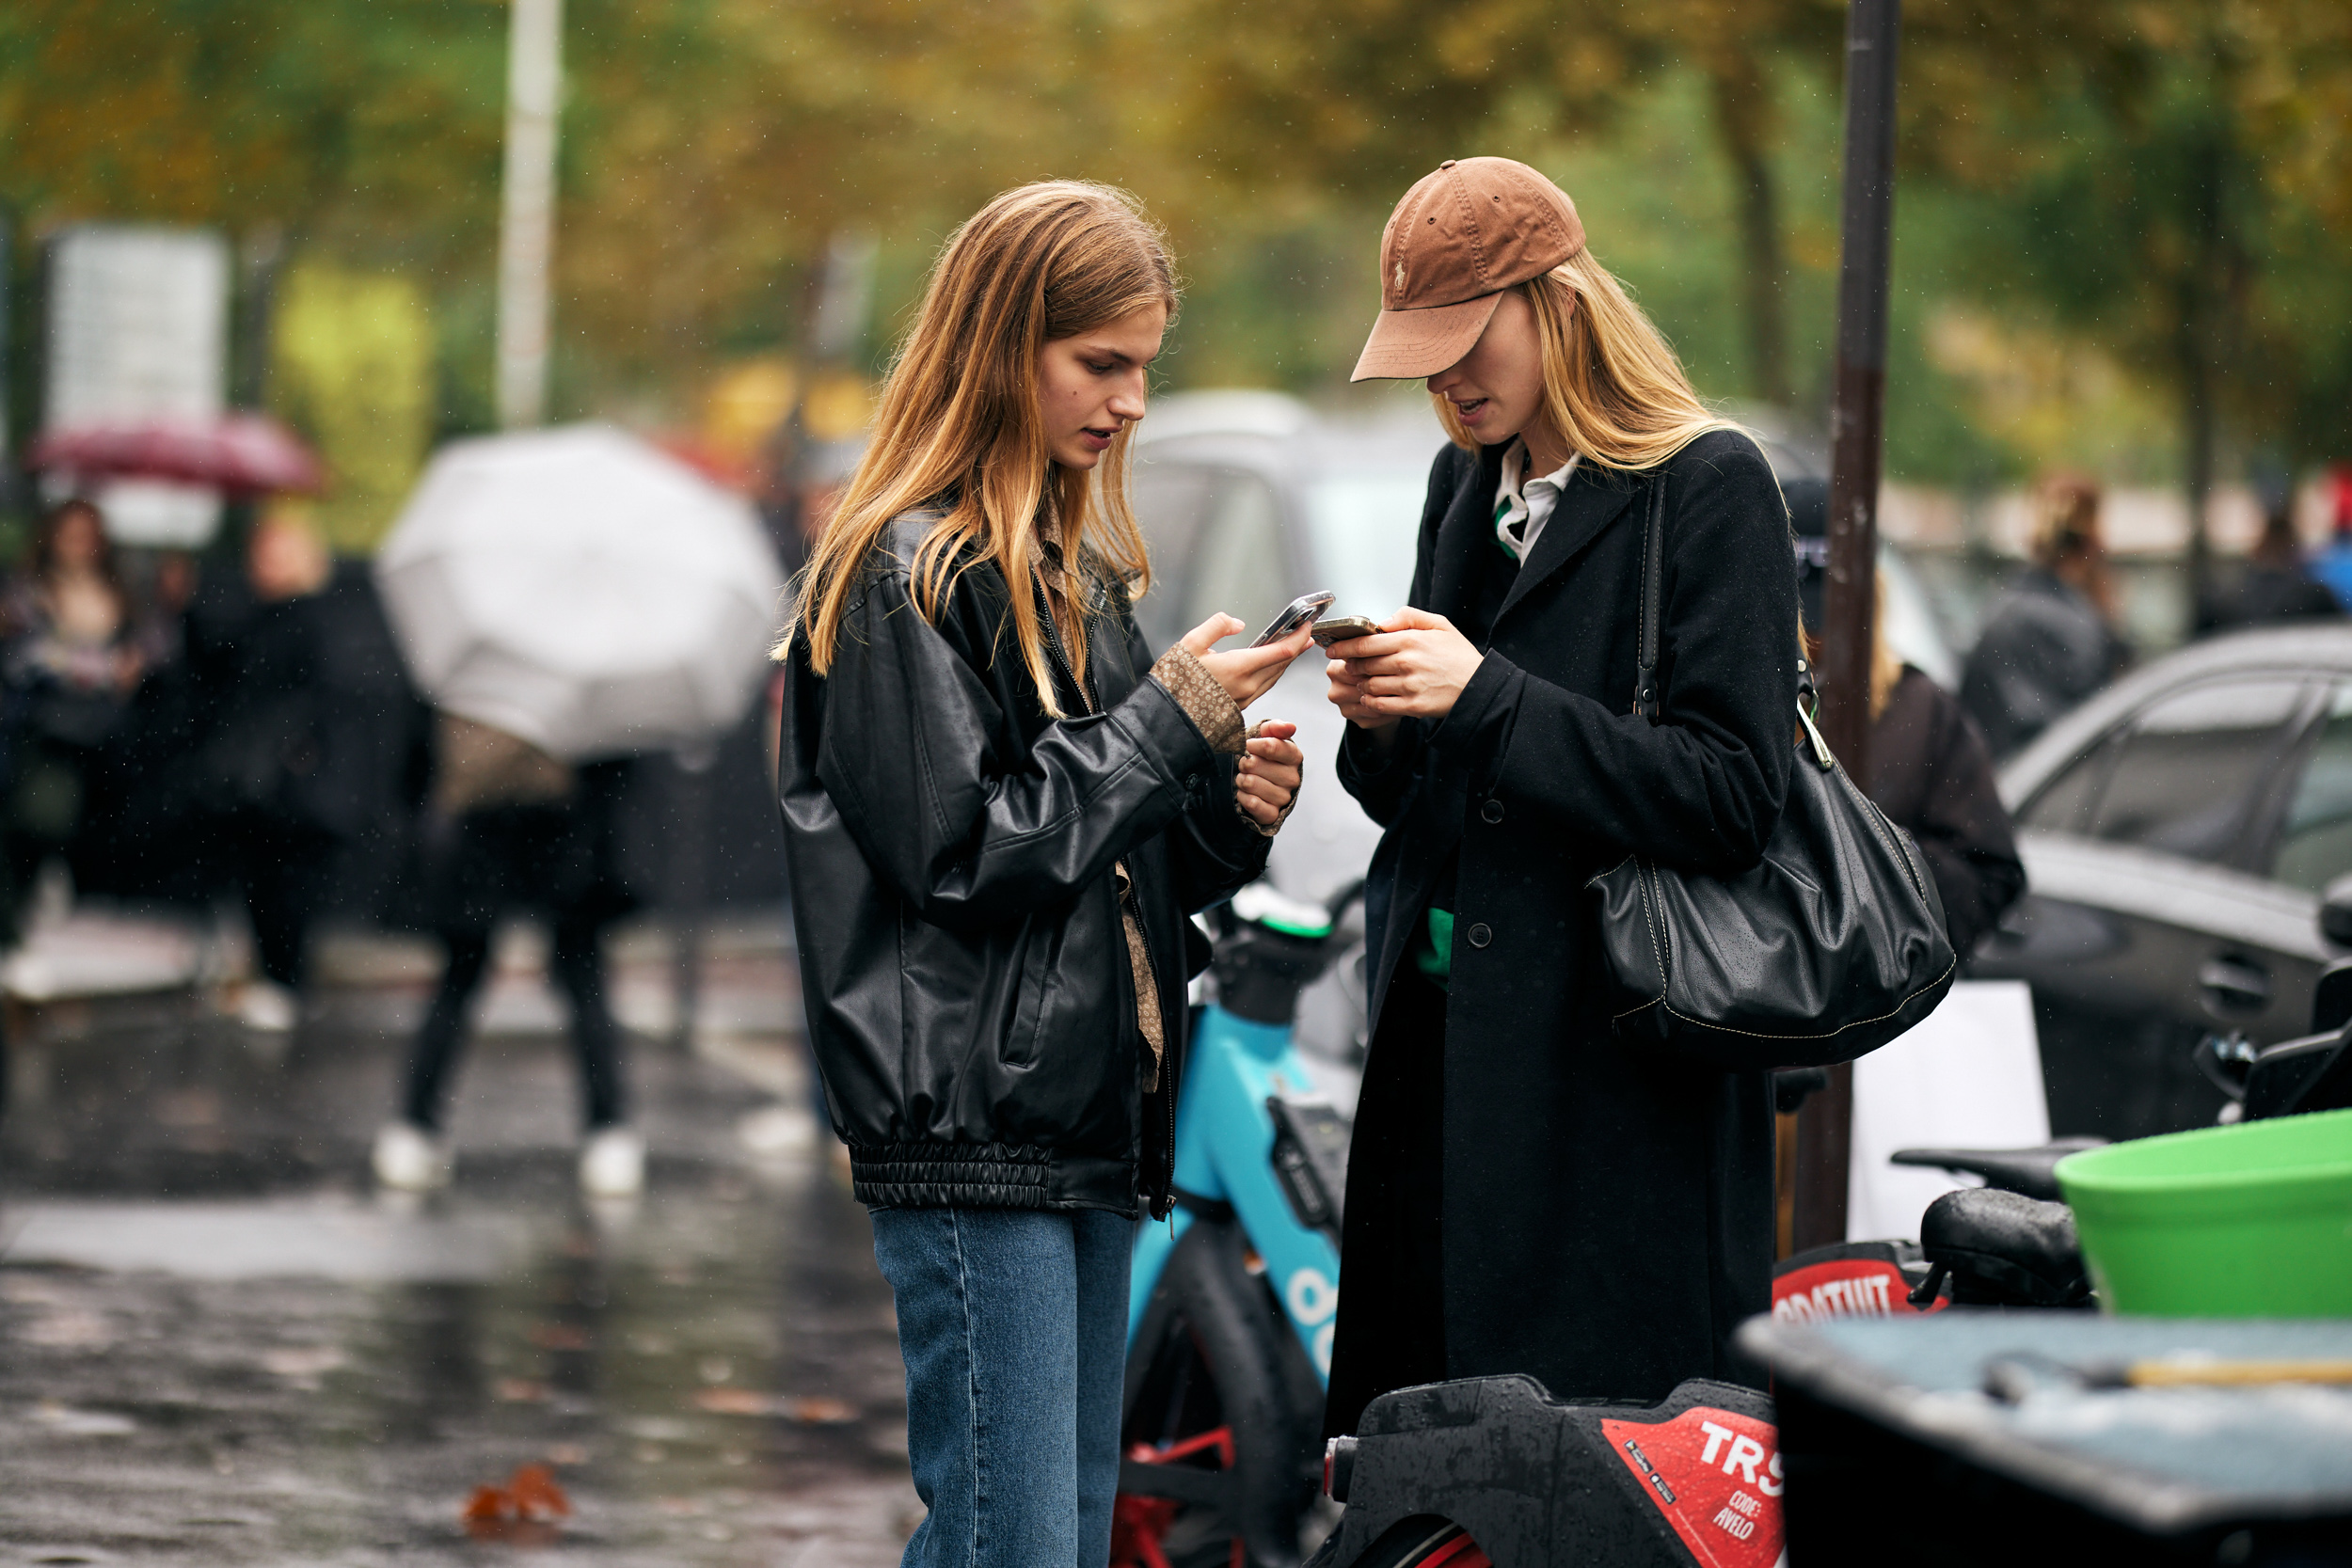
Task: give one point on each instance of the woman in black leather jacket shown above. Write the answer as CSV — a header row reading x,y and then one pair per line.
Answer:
x,y
999,810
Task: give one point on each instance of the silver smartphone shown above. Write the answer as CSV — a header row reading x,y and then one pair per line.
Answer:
x,y
1299,612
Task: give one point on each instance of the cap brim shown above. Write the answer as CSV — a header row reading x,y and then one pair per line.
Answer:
x,y
1405,346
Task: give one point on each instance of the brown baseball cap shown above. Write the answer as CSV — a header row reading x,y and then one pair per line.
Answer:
x,y
1462,235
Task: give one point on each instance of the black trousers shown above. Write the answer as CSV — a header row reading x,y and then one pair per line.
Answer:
x,y
578,965
286,869
1392,1323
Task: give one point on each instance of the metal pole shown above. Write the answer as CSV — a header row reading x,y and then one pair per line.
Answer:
x,y
1873,27
526,225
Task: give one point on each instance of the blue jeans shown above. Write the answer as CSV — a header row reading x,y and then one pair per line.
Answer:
x,y
1014,1323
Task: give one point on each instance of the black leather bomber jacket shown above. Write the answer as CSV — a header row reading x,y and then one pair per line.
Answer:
x,y
962,954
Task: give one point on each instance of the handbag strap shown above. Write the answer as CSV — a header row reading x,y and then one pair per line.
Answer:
x,y
1645,673
1653,565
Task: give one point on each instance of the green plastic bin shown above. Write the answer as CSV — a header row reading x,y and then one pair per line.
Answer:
x,y
2252,1221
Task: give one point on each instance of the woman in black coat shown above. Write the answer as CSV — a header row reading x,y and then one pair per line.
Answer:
x,y
1526,1193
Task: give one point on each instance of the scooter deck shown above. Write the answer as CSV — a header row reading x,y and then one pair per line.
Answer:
x,y
1538,1481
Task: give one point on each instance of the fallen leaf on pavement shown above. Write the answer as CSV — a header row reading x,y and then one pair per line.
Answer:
x,y
525,1509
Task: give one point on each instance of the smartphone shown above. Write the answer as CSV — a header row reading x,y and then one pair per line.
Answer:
x,y
1343,629
1299,612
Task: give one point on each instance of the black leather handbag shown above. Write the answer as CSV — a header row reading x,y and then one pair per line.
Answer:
x,y
1828,948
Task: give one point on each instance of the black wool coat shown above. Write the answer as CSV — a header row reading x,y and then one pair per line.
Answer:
x,y
1607,1212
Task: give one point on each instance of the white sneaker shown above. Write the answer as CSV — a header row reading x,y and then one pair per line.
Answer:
x,y
410,1159
613,1163
268,1008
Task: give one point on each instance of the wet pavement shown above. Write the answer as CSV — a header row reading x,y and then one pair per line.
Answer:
x,y
219,1343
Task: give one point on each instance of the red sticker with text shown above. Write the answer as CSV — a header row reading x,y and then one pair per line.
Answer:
x,y
1717,1478
1844,1288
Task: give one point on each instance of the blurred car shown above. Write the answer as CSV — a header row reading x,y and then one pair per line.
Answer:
x,y
2180,832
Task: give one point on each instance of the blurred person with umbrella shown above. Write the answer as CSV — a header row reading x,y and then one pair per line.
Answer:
x,y
509,828
2049,640
567,598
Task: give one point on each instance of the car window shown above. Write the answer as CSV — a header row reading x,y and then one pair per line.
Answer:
x,y
1237,564
2190,767
2063,804
1364,528
2314,844
1171,501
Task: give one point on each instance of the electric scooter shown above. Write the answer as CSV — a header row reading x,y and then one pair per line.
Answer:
x,y
1234,1298
1447,1473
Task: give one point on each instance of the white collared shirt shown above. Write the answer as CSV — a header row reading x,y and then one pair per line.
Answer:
x,y
1523,507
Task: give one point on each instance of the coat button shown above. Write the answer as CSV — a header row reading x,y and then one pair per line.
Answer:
x,y
1491,810
1192,782
1480,936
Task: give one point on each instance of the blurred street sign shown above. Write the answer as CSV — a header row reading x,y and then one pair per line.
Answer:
x,y
138,331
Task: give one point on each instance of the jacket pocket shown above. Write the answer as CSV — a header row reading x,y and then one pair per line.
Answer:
x,y
1041,980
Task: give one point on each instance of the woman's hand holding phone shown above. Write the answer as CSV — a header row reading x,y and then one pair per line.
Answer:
x,y
1245,674
1414,668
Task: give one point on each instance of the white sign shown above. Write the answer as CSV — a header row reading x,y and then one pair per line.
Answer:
x,y
1969,1076
138,330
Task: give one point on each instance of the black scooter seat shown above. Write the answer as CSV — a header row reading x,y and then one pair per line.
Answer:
x,y
2005,1249
2027,1171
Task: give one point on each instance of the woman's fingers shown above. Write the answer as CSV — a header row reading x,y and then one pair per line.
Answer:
x,y
1209,633
1356,649
1246,673
1268,773
1264,777
1257,786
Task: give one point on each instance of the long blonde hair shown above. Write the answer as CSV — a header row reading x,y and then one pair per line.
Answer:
x,y
960,425
1613,388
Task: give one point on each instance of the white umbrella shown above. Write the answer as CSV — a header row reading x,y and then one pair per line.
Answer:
x,y
582,589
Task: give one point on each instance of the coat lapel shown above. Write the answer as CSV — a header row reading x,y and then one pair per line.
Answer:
x,y
1594,499
1466,528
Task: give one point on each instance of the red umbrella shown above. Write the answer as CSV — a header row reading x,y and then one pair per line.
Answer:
x,y
242,454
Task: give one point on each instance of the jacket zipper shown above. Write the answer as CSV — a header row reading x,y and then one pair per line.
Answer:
x,y
1164,1200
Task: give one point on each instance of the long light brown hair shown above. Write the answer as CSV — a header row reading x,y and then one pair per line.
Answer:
x,y
1613,388
960,425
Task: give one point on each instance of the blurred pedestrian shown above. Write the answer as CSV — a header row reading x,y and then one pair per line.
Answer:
x,y
2049,640
73,658
2273,584
999,810
1929,767
1524,1194
510,829
299,757
2333,565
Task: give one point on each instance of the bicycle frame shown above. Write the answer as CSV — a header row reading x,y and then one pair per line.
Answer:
x,y
1224,1138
